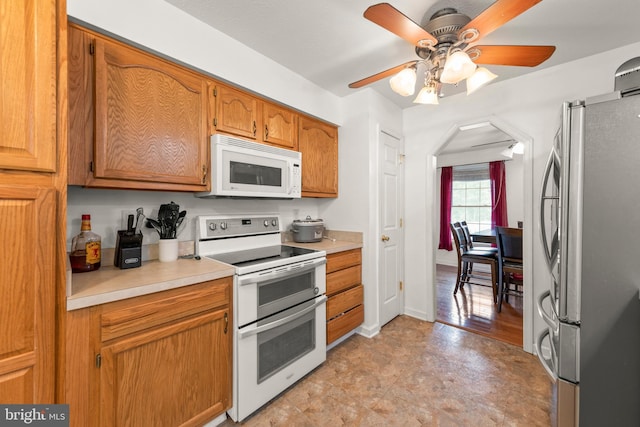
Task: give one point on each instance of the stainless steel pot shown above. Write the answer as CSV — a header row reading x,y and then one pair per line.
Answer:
x,y
307,230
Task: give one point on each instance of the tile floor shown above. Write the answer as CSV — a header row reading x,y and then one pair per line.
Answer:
x,y
416,373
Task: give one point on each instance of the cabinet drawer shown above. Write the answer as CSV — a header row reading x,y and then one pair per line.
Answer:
x,y
344,301
124,317
343,279
342,324
345,259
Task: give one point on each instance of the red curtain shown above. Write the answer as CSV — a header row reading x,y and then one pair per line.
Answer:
x,y
446,186
498,194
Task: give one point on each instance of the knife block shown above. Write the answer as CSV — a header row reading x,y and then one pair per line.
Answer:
x,y
128,253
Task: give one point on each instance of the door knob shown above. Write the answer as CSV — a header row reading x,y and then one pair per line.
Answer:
x,y
385,238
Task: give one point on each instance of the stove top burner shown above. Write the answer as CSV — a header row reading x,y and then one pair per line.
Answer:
x,y
260,255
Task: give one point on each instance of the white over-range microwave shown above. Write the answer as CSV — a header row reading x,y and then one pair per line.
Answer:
x,y
241,168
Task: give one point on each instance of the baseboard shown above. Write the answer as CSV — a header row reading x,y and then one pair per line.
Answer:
x,y
421,315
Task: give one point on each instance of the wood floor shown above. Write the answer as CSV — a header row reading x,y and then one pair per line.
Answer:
x,y
472,309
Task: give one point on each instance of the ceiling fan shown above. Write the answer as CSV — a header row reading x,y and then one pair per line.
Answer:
x,y
448,50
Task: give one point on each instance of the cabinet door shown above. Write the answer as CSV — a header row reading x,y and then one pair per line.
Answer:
x,y
28,85
236,112
150,119
318,143
27,287
174,375
280,126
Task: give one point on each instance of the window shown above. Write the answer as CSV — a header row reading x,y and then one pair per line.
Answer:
x,y
471,196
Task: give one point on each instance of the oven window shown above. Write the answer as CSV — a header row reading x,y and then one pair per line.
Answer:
x,y
283,345
269,292
248,173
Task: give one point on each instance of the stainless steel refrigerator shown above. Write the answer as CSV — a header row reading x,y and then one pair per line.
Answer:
x,y
590,226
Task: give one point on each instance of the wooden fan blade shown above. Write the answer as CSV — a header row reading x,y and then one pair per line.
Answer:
x,y
381,75
523,56
498,14
391,19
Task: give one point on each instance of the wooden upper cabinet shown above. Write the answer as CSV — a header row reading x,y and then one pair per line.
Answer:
x,y
318,143
280,126
150,118
27,314
28,73
239,113
235,112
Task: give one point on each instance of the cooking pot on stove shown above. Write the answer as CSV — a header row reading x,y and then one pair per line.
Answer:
x,y
307,230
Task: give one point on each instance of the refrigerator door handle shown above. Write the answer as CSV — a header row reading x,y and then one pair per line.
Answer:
x,y
549,365
550,248
550,320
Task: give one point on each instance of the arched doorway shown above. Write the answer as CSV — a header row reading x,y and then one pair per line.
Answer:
x,y
480,140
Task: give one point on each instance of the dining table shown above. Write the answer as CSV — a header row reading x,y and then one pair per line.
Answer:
x,y
484,236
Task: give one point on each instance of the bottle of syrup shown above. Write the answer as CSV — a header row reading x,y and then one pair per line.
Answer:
x,y
85,248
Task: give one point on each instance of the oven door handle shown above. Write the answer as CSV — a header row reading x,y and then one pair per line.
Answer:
x,y
256,330
280,272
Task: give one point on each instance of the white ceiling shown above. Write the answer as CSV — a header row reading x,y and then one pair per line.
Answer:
x,y
331,44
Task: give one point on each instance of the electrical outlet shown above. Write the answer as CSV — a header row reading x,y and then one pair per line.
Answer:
x,y
125,218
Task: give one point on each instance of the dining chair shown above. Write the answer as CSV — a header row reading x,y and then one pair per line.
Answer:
x,y
467,256
509,243
467,236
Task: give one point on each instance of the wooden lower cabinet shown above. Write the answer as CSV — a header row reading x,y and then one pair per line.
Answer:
x,y
27,312
162,359
345,302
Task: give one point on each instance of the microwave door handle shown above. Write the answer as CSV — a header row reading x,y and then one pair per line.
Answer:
x,y
290,183
272,325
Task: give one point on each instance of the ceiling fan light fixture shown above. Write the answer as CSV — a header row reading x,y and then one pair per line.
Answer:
x,y
457,68
404,83
427,95
481,77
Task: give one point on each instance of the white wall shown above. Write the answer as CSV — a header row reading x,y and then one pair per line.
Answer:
x,y
532,104
356,209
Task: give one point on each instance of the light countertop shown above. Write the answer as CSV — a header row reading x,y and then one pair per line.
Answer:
x,y
334,241
110,283
328,246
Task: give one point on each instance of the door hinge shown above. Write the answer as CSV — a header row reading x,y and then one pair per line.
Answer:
x,y
215,122
401,222
92,48
98,360
215,92
401,158
91,166
401,285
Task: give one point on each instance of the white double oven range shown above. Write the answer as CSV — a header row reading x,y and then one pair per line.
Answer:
x,y
279,305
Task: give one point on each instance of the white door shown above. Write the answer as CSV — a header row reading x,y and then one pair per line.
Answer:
x,y
391,237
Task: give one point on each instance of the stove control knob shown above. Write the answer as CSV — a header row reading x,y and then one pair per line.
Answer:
x,y
212,226
274,222
266,223
223,225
